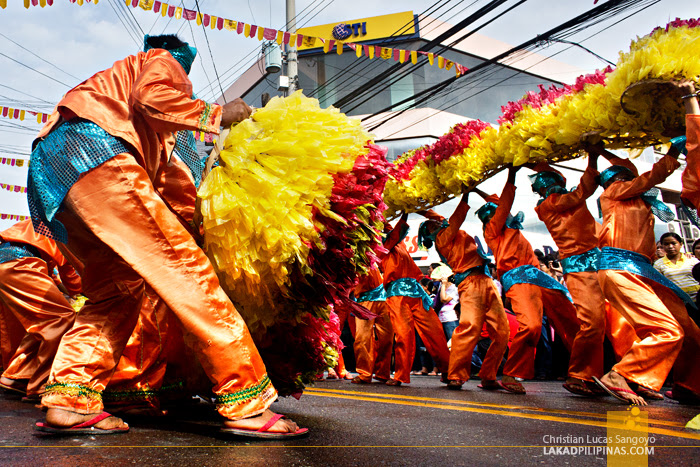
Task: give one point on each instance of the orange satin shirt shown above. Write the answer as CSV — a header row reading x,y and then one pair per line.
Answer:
x,y
628,222
457,246
23,232
398,263
510,248
568,220
143,99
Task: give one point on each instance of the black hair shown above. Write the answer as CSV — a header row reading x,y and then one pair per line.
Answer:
x,y
695,243
166,41
673,235
425,281
435,265
539,254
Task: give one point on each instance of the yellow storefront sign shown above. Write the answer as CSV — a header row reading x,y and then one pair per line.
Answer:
x,y
364,29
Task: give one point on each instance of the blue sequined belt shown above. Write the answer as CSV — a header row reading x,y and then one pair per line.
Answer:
x,y
481,269
617,259
12,251
587,261
70,150
529,274
377,294
408,287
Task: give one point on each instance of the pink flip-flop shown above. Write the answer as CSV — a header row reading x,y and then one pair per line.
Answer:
x,y
85,428
513,388
263,432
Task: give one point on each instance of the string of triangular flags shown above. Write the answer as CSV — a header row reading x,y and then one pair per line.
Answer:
x,y
12,162
43,3
13,217
13,188
19,114
270,34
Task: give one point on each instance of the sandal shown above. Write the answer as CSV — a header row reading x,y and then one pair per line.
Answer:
x,y
85,428
263,432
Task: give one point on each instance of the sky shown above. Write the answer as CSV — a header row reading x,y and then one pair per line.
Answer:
x,y
44,52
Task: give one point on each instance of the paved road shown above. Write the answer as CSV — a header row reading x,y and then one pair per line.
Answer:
x,y
372,425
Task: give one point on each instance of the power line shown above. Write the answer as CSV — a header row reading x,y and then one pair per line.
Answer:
x,y
612,7
213,62
43,60
36,71
408,70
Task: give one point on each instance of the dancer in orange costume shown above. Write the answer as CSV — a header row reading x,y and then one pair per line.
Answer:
x,y
373,337
528,288
409,306
653,305
479,300
691,175
31,302
91,181
573,229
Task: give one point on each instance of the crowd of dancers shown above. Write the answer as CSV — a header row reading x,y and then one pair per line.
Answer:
x,y
113,213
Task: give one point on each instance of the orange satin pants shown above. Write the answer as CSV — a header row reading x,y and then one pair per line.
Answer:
x,y
666,332
373,341
11,335
479,301
586,358
526,301
619,331
155,345
561,314
31,298
408,316
125,236
342,318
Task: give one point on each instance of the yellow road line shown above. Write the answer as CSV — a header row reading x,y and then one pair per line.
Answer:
x,y
497,406
576,421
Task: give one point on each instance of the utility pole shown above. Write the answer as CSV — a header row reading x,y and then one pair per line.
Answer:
x,y
291,48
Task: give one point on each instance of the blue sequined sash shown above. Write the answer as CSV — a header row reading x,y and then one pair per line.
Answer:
x,y
460,276
408,287
587,261
529,274
11,252
377,294
617,259
72,149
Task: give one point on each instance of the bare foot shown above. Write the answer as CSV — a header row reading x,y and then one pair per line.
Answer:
x,y
283,425
614,380
60,418
14,385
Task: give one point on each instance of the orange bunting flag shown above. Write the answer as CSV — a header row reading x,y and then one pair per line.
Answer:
x,y
213,21
402,55
199,19
230,24
280,36
431,58
3,4
261,33
448,64
414,57
293,40
246,30
146,5
386,53
358,50
327,46
441,62
178,12
339,48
